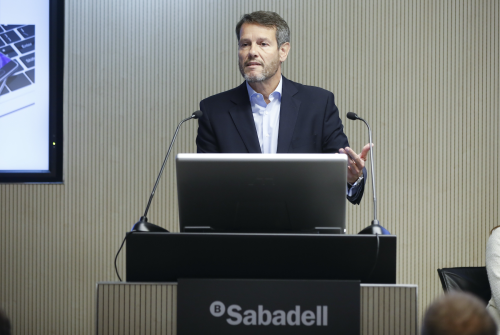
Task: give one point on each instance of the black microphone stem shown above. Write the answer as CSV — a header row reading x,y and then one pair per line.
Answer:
x,y
164,163
375,228
373,171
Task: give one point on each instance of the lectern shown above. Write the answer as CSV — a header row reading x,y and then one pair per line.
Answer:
x,y
147,302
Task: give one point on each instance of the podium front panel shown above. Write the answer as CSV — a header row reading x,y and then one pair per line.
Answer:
x,y
151,308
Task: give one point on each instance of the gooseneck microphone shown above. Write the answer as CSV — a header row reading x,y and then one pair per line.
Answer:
x,y
143,224
375,227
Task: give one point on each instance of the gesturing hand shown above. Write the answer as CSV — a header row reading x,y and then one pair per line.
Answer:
x,y
355,162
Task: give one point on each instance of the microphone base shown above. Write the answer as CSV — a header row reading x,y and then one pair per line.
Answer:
x,y
374,229
144,226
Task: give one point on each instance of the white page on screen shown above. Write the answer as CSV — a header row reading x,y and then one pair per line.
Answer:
x,y
24,99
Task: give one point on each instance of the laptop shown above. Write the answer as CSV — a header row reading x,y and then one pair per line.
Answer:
x,y
262,193
17,91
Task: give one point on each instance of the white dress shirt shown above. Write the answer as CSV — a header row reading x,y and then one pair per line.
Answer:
x,y
267,118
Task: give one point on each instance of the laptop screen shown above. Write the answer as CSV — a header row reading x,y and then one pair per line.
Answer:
x,y
262,193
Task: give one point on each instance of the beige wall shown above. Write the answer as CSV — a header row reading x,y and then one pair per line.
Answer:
x,y
425,74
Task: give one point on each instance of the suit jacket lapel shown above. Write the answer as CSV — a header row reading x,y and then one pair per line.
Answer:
x,y
241,113
289,112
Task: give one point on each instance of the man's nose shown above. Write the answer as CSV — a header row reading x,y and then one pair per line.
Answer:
x,y
253,50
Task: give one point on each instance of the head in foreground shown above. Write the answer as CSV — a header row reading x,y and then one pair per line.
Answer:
x,y
458,313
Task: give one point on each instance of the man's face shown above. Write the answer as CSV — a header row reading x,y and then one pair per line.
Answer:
x,y
258,53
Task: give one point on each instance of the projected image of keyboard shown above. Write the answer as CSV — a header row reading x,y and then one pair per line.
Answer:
x,y
17,42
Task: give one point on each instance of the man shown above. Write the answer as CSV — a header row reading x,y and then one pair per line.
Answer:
x,y
458,313
248,118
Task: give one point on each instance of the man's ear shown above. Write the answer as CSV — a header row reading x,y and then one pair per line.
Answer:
x,y
283,51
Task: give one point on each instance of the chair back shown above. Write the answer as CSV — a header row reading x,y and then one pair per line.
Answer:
x,y
468,279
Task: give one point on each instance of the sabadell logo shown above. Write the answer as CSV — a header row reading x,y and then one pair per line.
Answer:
x,y
264,317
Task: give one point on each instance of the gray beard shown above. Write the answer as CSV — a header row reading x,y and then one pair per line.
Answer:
x,y
267,73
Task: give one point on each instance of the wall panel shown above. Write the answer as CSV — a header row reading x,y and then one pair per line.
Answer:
x,y
425,74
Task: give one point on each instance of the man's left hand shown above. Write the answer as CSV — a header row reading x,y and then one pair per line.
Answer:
x,y
355,162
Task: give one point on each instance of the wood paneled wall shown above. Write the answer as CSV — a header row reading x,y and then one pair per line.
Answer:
x,y
424,73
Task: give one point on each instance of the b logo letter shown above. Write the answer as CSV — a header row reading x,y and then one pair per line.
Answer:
x,y
217,309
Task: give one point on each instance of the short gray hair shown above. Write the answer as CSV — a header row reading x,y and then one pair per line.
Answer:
x,y
458,313
267,19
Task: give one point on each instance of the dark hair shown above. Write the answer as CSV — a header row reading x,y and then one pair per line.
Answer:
x,y
458,313
267,19
4,324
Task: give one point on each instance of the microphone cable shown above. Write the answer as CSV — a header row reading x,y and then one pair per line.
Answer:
x,y
116,257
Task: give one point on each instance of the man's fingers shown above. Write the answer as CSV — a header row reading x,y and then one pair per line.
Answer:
x,y
365,150
350,154
357,160
353,173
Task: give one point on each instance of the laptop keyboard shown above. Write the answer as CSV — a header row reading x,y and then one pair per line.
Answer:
x,y
18,43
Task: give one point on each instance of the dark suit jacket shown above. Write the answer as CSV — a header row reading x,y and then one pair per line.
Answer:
x,y
309,123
